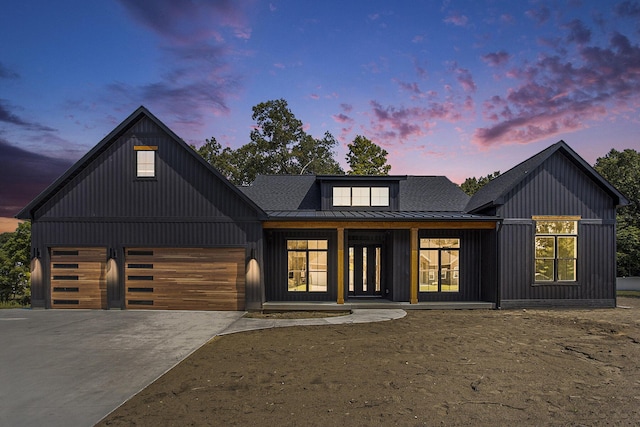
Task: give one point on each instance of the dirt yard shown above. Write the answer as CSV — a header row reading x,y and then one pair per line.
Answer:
x,y
481,368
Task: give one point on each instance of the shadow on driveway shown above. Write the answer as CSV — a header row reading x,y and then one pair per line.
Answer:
x,y
73,367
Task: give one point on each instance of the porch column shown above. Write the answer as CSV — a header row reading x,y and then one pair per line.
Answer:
x,y
340,266
414,266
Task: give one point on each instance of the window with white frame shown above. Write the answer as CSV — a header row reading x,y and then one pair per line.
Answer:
x,y
341,196
145,162
556,250
361,196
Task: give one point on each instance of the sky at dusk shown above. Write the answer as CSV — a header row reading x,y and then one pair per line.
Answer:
x,y
455,88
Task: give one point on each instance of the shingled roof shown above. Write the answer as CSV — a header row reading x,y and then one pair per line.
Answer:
x,y
293,195
494,192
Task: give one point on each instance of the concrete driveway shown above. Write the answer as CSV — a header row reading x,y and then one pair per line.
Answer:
x,y
71,368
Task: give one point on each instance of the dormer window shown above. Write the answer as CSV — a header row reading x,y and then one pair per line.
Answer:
x,y
361,196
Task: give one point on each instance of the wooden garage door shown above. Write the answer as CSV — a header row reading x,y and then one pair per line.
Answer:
x,y
185,278
78,278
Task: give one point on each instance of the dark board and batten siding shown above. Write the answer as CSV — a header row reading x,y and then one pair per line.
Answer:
x,y
471,257
557,188
105,205
276,265
108,188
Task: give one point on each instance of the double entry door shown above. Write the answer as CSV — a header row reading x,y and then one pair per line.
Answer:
x,y
365,270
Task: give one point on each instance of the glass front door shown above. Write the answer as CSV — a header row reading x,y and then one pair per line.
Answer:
x,y
365,270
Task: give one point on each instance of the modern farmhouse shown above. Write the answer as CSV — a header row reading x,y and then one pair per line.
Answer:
x,y
142,221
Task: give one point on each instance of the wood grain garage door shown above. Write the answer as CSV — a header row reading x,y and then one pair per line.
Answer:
x,y
78,278
185,278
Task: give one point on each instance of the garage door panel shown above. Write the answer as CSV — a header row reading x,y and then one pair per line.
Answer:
x,y
185,278
78,278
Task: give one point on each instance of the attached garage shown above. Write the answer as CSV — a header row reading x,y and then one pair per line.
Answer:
x,y
78,278
185,278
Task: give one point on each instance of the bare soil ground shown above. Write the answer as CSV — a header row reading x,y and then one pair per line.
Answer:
x,y
481,368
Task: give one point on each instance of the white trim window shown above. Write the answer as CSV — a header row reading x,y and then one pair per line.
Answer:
x,y
361,196
145,163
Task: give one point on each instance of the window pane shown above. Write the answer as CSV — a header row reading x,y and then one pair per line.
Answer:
x,y
146,163
566,247
317,261
567,270
428,271
556,227
351,269
380,196
297,265
364,269
341,196
439,243
545,247
312,244
360,196
317,281
449,271
544,270
377,269
323,244
296,244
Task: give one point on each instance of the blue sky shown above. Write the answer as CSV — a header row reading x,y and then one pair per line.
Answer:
x,y
455,88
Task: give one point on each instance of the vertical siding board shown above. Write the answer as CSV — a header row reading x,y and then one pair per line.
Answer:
x,y
470,271
276,266
183,187
104,205
401,265
558,187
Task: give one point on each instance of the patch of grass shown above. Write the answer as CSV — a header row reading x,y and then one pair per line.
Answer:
x,y
12,304
629,294
295,314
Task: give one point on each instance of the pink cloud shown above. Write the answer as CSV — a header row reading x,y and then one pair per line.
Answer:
x,y
456,19
540,15
496,59
557,95
314,96
507,18
412,88
465,79
342,118
189,21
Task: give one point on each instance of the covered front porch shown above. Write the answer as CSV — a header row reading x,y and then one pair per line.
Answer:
x,y
443,263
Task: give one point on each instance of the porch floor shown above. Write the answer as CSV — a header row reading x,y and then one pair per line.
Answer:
x,y
375,303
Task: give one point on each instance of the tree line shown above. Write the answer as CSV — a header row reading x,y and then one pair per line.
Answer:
x,y
279,145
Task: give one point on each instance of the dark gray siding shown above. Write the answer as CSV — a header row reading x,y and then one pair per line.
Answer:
x,y
108,187
489,266
471,256
401,267
276,269
558,187
105,205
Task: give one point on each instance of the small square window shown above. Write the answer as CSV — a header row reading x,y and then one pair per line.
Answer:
x,y
379,196
341,196
360,196
146,164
